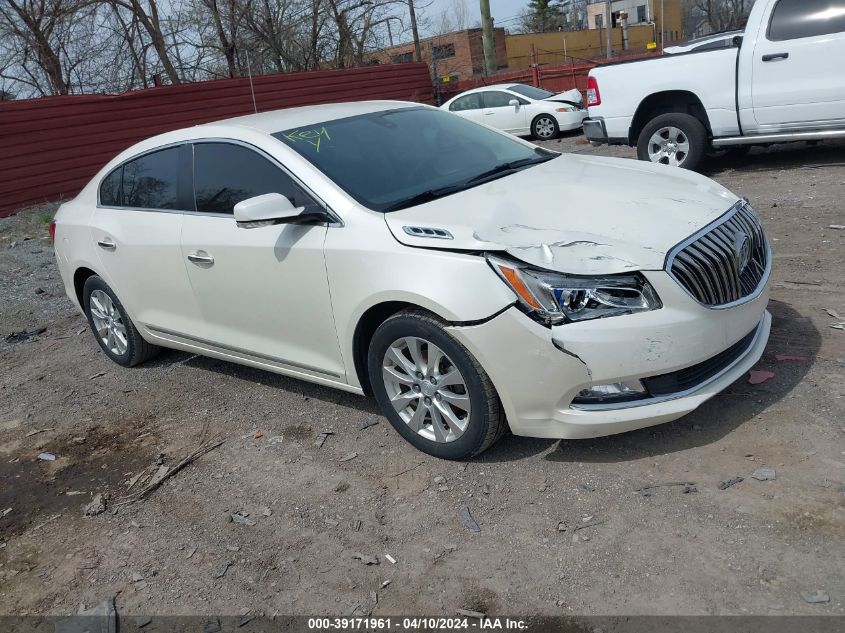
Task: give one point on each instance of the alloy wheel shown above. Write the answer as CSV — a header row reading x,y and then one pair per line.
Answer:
x,y
108,322
668,146
544,127
426,389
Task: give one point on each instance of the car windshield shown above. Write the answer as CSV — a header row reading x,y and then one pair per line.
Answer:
x,y
531,92
392,159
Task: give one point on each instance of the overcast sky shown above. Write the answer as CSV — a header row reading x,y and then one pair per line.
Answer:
x,y
500,9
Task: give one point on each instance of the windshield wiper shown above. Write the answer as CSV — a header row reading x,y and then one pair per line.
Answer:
x,y
491,174
506,168
423,196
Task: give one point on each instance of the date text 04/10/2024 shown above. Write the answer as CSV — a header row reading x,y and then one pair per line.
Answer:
x,y
416,624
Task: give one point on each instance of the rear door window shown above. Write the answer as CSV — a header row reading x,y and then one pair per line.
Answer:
x,y
110,188
226,174
151,181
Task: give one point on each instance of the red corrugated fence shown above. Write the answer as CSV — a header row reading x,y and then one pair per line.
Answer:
x,y
553,78
49,148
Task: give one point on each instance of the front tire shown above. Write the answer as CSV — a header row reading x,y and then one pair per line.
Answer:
x,y
117,335
544,127
675,139
431,389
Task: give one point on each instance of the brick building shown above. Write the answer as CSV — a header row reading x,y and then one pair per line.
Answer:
x,y
459,55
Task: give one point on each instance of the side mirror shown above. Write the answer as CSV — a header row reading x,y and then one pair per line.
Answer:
x,y
514,103
737,41
269,209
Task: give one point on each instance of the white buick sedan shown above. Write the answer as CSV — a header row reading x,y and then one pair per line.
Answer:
x,y
520,109
470,281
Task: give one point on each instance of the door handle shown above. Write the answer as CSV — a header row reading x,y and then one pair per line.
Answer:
x,y
201,258
773,56
107,244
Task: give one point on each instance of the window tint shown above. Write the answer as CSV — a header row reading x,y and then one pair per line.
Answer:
x,y
793,19
110,188
367,155
497,99
469,102
225,174
150,182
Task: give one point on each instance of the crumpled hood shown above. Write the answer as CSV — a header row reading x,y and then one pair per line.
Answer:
x,y
574,214
572,96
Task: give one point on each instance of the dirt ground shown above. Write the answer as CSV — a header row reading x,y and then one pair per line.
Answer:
x,y
750,549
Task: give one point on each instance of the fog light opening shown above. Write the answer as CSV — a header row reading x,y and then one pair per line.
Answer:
x,y
622,391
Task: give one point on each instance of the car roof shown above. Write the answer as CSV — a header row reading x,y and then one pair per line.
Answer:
x,y
489,88
289,118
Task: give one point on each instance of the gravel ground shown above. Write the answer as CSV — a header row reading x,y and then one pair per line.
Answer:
x,y
563,528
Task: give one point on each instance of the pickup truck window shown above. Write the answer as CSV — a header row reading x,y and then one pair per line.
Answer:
x,y
794,19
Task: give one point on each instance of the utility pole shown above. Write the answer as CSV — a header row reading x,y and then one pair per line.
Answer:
x,y
608,28
434,72
417,50
487,40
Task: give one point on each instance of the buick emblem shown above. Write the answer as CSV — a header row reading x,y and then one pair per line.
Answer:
x,y
742,251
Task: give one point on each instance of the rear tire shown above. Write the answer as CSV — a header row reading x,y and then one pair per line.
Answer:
x,y
673,139
116,334
431,389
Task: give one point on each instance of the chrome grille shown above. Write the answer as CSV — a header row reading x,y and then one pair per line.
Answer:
x,y
725,263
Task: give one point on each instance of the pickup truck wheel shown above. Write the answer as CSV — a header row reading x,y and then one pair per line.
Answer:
x,y
673,139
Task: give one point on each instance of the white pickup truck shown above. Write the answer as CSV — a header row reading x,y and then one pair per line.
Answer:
x,y
782,81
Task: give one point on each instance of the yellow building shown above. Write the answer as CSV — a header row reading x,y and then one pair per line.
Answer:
x,y
655,21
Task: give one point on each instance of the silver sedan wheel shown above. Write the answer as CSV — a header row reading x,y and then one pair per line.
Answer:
x,y
108,323
426,389
668,146
544,127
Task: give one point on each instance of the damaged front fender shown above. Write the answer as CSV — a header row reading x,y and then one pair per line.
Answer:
x,y
532,376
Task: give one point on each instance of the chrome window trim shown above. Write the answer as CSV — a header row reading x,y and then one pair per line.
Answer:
x,y
764,279
336,221
611,406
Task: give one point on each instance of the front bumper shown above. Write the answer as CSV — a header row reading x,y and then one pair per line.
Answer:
x,y
538,371
568,121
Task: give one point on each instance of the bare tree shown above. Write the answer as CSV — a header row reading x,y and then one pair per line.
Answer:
x,y
64,46
228,18
723,15
453,17
36,26
149,18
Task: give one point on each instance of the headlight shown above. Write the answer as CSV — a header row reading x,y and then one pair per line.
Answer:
x,y
565,109
552,298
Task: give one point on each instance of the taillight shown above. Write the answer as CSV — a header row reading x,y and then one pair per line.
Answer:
x,y
52,231
593,94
